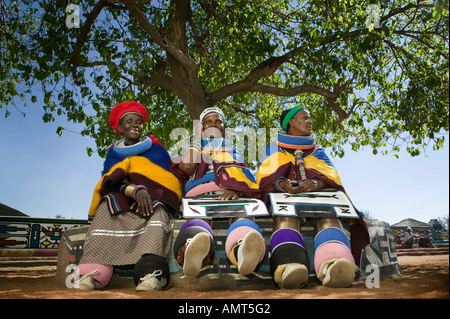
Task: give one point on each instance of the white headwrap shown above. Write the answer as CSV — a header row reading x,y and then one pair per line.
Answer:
x,y
211,110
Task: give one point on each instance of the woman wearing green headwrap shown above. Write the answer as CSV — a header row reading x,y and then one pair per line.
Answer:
x,y
295,164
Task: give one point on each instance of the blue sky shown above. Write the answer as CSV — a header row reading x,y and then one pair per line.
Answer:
x,y
44,175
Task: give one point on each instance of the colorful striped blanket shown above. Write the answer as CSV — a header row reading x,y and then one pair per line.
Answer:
x,y
219,169
279,162
148,166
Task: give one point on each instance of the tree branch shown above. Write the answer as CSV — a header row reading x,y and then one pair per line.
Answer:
x,y
264,69
294,91
404,9
418,39
203,50
130,82
159,39
209,10
92,64
184,79
328,95
159,77
90,19
238,109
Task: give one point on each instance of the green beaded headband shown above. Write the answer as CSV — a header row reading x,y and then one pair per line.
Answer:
x,y
290,115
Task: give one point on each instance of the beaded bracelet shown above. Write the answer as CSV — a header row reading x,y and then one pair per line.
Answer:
x,y
196,145
136,189
123,189
277,184
128,189
194,148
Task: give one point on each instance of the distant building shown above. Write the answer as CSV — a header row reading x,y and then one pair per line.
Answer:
x,y
423,229
409,222
8,211
440,234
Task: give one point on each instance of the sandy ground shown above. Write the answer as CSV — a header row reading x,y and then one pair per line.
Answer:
x,y
422,277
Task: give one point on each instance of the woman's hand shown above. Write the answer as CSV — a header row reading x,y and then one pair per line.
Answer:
x,y
143,203
288,187
230,194
309,185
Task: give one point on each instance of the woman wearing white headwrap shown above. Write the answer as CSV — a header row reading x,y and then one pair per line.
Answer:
x,y
211,165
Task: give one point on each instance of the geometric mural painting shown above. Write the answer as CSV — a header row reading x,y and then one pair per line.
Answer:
x,y
26,232
381,251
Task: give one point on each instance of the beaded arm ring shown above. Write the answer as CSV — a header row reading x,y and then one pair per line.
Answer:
x,y
196,146
130,190
277,184
136,189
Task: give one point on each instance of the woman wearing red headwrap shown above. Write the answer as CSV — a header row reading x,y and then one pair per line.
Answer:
x,y
131,208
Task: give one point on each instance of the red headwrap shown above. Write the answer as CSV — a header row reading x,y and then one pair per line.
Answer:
x,y
126,107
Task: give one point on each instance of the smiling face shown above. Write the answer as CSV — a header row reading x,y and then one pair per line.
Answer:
x,y
213,126
131,127
301,124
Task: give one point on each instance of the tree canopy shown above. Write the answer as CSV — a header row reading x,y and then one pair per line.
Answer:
x,y
370,75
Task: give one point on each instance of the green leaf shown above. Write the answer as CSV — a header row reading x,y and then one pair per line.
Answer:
x,y
59,130
252,59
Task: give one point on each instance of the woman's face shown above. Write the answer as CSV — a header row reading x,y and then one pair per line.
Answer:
x,y
213,126
301,124
131,127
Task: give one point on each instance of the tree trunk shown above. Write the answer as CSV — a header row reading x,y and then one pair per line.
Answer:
x,y
186,83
